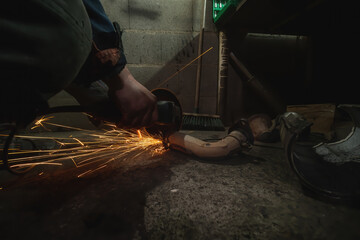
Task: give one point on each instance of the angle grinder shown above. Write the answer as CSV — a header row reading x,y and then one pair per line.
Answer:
x,y
169,119
169,113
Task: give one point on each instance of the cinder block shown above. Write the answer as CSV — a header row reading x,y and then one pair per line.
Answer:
x,y
197,15
142,47
118,11
162,15
146,47
161,38
144,74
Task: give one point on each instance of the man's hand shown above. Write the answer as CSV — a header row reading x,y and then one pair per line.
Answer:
x,y
137,105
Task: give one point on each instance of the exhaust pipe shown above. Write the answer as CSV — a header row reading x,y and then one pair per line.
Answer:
x,y
234,142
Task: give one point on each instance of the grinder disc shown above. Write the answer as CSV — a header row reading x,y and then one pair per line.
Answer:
x,y
164,130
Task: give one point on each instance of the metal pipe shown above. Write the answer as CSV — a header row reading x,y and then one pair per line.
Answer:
x,y
268,96
230,144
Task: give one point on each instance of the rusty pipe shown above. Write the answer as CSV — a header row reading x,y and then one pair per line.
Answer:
x,y
233,142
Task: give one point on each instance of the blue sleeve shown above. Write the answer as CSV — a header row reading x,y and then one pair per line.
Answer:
x,y
100,22
105,36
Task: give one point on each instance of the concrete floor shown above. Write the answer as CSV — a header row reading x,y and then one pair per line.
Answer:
x,y
172,196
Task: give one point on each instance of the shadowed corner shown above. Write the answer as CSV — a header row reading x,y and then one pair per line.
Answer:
x,y
179,73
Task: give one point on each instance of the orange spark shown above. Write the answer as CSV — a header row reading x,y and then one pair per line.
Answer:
x,y
40,122
83,174
183,68
81,143
35,164
94,148
139,133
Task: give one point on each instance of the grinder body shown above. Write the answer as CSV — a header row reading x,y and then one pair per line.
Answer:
x,y
169,112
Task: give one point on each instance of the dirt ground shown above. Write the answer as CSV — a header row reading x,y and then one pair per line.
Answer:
x,y
172,196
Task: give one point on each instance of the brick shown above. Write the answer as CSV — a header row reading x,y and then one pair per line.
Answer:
x,y
142,47
197,15
144,74
159,15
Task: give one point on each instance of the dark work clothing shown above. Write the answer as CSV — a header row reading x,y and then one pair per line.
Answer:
x,y
43,46
105,37
104,34
100,22
43,43
46,45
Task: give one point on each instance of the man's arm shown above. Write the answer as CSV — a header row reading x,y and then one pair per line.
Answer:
x,y
136,104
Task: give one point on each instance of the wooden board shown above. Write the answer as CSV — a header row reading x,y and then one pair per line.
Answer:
x,y
321,115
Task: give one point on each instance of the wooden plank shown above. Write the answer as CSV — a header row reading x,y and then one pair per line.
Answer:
x,y
321,115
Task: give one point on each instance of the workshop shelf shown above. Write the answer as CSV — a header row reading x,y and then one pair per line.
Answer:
x,y
223,8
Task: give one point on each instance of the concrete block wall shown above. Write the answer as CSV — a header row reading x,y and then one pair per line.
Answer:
x,y
160,37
